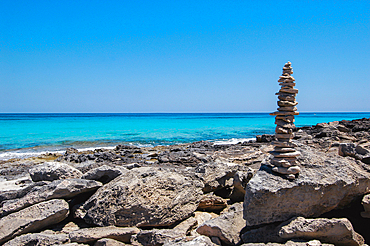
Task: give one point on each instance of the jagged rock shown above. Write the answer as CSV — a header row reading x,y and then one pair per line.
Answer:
x,y
109,242
145,196
240,181
197,241
156,237
66,188
212,203
88,235
217,176
104,173
347,149
227,226
326,182
366,204
33,218
202,217
336,231
20,191
38,239
50,171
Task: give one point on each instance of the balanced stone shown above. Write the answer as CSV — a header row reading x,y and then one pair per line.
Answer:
x,y
284,154
287,109
283,144
286,104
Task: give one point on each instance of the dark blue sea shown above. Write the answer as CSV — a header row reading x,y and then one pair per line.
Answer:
x,y
23,135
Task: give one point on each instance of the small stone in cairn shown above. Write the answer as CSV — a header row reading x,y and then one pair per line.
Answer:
x,y
284,154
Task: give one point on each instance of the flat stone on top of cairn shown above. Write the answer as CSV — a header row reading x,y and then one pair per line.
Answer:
x,y
284,154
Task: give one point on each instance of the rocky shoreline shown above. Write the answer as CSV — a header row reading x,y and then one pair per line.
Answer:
x,y
194,194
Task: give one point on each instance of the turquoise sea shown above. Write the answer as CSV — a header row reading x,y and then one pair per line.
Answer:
x,y
23,135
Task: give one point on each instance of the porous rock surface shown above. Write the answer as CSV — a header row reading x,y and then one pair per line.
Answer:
x,y
88,235
143,197
226,227
50,171
33,218
335,231
325,183
66,188
38,239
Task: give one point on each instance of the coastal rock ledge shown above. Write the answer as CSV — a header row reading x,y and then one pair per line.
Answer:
x,y
326,182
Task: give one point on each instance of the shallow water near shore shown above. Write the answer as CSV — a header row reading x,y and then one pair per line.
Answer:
x,y
24,135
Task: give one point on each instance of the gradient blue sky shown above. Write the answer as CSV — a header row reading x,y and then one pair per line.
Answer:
x,y
182,56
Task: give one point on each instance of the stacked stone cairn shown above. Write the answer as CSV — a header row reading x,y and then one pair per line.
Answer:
x,y
284,154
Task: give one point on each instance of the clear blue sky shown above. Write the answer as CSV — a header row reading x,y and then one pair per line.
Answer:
x,y
182,56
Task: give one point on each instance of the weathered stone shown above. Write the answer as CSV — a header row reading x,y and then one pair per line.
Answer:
x,y
284,144
281,130
38,239
212,203
287,135
145,196
366,204
202,217
284,113
88,235
326,182
157,237
104,173
287,109
347,149
287,170
12,189
288,118
227,226
216,176
33,218
283,150
285,154
109,242
50,171
284,124
66,188
197,241
336,231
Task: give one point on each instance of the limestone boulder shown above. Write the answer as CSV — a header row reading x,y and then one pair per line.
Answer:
x,y
226,227
33,218
38,239
89,235
66,188
104,173
327,181
143,197
335,231
50,171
